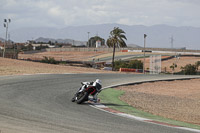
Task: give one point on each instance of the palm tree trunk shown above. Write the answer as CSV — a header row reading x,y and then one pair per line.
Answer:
x,y
113,59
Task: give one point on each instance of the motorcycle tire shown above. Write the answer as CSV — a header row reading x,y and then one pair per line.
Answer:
x,y
83,98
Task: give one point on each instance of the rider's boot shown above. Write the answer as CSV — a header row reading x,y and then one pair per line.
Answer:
x,y
73,99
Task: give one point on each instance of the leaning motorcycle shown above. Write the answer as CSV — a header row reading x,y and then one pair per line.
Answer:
x,y
83,93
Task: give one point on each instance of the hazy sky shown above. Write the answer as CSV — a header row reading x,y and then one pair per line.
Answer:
x,y
62,13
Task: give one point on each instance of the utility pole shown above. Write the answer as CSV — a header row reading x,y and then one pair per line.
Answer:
x,y
88,38
144,52
6,22
172,42
113,58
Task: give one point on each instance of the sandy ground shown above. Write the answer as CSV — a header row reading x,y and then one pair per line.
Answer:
x,y
68,55
165,65
181,62
17,67
178,100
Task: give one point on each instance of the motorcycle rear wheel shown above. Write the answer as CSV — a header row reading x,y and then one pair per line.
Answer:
x,y
82,97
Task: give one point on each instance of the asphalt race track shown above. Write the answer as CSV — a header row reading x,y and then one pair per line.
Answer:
x,y
41,104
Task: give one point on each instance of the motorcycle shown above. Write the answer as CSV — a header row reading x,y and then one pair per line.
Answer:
x,y
84,92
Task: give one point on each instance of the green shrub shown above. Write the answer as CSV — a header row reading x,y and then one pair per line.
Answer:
x,y
136,64
189,69
120,64
197,64
49,60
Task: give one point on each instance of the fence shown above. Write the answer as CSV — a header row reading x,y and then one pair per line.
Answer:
x,y
9,55
83,49
117,49
155,64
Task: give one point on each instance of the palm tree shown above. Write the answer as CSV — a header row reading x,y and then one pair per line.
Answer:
x,y
109,42
197,64
116,40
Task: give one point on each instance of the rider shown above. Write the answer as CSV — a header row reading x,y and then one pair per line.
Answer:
x,y
96,84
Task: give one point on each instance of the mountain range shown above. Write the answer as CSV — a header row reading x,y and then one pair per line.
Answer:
x,y
160,36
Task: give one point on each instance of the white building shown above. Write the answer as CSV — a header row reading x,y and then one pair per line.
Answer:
x,y
98,43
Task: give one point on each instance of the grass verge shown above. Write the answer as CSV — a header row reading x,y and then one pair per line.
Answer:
x,y
110,98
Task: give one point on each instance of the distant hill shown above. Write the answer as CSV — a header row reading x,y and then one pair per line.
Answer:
x,y
157,35
134,46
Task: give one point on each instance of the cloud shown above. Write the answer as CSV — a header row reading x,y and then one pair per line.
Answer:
x,y
63,13
125,21
55,11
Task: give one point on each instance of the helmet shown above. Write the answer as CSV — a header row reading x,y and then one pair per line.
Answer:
x,y
98,84
98,81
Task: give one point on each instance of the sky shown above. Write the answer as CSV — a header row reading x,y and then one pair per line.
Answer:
x,y
63,13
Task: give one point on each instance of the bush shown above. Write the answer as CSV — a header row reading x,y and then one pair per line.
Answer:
x,y
49,60
136,64
120,64
189,69
197,64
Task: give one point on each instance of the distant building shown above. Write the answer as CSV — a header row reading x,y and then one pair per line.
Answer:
x,y
1,45
9,44
98,43
19,46
40,45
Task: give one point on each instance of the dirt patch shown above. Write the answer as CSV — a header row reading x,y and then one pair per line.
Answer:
x,y
178,100
15,67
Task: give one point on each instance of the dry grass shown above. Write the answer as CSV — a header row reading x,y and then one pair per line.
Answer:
x,y
68,55
14,67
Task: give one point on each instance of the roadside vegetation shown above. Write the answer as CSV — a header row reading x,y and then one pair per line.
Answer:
x,y
173,66
190,69
135,64
49,60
